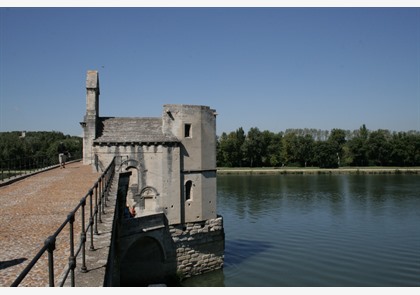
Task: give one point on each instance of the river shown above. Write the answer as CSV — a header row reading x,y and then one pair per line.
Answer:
x,y
318,230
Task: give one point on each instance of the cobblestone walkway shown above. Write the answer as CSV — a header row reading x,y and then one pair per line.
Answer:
x,y
31,210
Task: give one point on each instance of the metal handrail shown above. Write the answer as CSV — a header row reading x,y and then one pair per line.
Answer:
x,y
12,168
22,166
96,198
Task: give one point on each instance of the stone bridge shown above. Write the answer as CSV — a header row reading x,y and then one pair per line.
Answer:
x,y
32,208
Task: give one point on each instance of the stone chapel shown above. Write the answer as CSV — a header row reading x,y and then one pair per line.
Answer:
x,y
172,158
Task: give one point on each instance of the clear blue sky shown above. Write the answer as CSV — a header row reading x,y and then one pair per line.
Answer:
x,y
271,68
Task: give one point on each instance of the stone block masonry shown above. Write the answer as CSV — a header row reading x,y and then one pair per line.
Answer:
x,y
199,246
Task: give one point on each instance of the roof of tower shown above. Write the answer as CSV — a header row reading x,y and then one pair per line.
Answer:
x,y
124,129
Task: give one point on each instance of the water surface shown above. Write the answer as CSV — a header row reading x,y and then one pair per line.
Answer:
x,y
318,230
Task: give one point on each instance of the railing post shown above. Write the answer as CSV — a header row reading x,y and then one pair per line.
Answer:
x,y
103,190
96,209
72,259
50,243
91,220
83,236
103,193
100,199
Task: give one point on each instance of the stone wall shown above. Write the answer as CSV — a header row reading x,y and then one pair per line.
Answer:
x,y
199,246
156,167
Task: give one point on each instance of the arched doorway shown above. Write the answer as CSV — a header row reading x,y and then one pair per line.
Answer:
x,y
132,165
133,186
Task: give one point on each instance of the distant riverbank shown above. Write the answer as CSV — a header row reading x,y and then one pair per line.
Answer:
x,y
343,170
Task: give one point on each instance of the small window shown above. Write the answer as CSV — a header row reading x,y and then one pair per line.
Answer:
x,y
188,187
187,131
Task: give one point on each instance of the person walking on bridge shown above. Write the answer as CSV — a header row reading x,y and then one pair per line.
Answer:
x,y
62,154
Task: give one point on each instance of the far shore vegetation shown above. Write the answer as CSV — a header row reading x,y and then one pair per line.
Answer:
x,y
19,145
316,170
313,148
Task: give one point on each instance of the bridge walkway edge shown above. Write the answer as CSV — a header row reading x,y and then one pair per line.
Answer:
x,y
97,260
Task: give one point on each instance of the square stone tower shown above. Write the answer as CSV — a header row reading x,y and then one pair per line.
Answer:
x,y
195,127
91,119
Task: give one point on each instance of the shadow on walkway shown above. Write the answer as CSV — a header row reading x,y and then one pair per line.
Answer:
x,y
13,262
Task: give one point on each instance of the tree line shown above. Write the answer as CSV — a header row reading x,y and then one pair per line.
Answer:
x,y
318,148
18,145
293,147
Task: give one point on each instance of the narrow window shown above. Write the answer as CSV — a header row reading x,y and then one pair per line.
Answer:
x,y
188,187
187,132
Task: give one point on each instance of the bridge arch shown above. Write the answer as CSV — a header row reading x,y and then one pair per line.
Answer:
x,y
143,263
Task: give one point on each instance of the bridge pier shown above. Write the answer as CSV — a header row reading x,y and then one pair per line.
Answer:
x,y
146,250
199,246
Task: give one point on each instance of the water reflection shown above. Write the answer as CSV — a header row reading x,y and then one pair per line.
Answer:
x,y
238,251
254,194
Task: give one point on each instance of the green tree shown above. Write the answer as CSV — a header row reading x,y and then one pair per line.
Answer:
x,y
252,148
266,140
225,151
399,154
274,150
337,139
304,150
405,149
230,148
239,140
297,149
379,148
289,150
358,147
325,154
